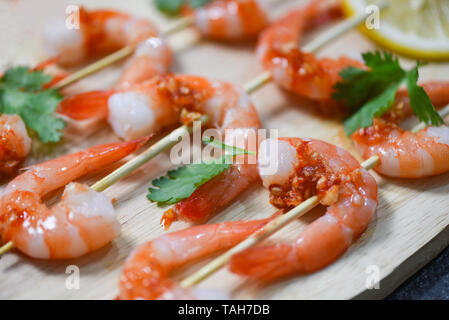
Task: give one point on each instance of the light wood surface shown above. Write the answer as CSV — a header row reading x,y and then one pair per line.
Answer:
x,y
409,228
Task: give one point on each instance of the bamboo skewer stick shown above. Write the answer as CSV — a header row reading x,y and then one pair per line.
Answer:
x,y
276,224
94,67
160,146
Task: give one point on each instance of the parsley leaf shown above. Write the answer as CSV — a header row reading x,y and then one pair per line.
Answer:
x,y
371,93
198,3
173,7
182,182
360,85
420,101
21,77
373,108
170,7
21,93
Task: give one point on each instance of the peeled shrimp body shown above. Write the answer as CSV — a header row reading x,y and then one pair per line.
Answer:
x,y
146,272
402,153
155,104
105,31
305,167
231,19
83,221
15,144
279,51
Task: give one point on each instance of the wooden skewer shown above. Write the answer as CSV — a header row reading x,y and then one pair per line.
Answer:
x,y
275,225
94,67
160,146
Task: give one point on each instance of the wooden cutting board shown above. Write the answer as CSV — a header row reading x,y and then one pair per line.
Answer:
x,y
410,226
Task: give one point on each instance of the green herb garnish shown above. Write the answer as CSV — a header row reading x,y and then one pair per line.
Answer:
x,y
22,93
371,93
182,182
173,7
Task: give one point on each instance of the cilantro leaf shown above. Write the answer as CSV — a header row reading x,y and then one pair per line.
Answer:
x,y
22,77
182,182
234,150
370,93
198,3
373,108
170,7
173,7
419,100
358,85
21,93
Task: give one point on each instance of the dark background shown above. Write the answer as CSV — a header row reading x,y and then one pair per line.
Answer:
x,y
431,282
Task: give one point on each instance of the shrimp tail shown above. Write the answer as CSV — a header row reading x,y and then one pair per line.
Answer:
x,y
263,263
109,153
86,105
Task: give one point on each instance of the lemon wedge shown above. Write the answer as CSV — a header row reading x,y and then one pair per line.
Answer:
x,y
415,28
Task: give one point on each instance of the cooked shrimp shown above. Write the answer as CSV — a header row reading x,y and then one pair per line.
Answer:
x,y
146,271
230,19
306,167
104,31
295,70
402,153
83,221
15,144
155,104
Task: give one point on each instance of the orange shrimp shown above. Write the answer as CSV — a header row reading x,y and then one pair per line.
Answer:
x,y
146,272
305,167
402,153
105,31
230,19
155,104
15,144
83,221
279,51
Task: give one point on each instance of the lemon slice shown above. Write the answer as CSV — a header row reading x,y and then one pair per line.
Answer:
x,y
415,28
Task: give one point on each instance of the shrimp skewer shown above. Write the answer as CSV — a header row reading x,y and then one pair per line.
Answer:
x,y
402,153
105,31
306,167
83,221
155,104
146,272
230,20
